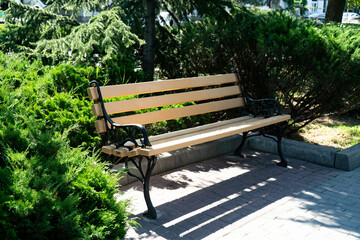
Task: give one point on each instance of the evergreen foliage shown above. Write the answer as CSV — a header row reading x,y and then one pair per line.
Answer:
x,y
26,25
6,179
312,70
32,92
351,4
50,187
179,11
74,7
104,38
104,42
56,38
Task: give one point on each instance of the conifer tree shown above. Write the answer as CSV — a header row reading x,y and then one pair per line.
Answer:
x,y
143,13
27,25
39,31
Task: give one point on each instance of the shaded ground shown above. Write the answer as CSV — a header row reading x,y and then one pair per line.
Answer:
x,y
234,198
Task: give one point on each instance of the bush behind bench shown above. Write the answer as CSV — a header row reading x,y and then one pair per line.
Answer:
x,y
313,70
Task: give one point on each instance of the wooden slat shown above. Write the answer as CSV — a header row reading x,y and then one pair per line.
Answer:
x,y
112,150
120,152
207,135
100,126
96,109
163,115
157,138
162,85
210,128
108,149
92,93
164,100
134,152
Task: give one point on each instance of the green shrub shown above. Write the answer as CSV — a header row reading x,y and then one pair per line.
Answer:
x,y
6,179
55,96
68,78
311,70
315,72
51,187
104,43
61,193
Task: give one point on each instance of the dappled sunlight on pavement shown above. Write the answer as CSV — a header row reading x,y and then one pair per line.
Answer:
x,y
233,198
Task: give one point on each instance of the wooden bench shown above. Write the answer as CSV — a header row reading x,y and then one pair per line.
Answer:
x,y
125,137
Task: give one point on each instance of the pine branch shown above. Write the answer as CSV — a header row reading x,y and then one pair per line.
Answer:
x,y
19,12
102,38
27,25
75,6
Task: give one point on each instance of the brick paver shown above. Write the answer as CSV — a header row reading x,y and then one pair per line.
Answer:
x,y
233,198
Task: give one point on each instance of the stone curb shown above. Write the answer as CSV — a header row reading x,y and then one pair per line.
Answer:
x,y
347,159
293,149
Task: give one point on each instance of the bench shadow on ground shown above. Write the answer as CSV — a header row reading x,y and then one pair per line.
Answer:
x,y
206,211
182,179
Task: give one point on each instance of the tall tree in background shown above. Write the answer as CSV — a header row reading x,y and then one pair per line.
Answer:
x,y
149,56
179,11
335,10
140,15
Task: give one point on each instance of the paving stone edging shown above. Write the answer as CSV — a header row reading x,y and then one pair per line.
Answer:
x,y
347,159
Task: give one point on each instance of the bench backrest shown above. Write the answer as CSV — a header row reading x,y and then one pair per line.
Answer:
x,y
211,94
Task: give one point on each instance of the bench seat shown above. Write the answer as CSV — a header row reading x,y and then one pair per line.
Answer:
x,y
197,135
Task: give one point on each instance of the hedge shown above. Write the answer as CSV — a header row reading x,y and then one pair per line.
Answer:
x,y
312,70
53,186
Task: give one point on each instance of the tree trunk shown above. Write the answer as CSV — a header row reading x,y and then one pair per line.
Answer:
x,y
335,10
148,63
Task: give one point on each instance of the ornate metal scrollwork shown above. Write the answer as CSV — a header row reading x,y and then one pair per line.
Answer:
x,y
263,107
133,134
130,136
121,134
266,107
144,178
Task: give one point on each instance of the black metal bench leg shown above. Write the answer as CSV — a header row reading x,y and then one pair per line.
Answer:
x,y
145,180
151,212
280,133
239,148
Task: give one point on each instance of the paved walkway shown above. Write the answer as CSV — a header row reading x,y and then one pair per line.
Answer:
x,y
233,198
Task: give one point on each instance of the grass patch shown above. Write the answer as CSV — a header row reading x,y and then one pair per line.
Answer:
x,y
332,131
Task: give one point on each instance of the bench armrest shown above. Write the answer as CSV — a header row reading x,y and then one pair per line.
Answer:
x,y
265,107
120,134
